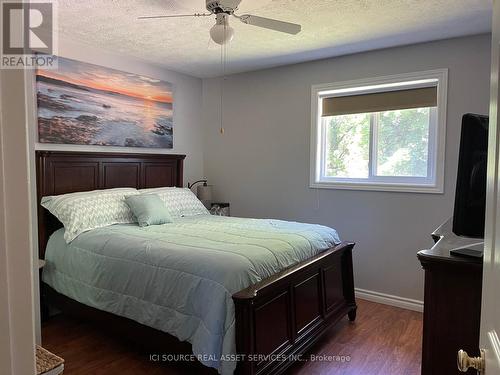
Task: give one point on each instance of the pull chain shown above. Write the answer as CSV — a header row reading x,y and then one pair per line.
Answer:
x,y
223,57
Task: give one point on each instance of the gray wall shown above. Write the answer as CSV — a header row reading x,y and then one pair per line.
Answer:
x,y
261,163
188,135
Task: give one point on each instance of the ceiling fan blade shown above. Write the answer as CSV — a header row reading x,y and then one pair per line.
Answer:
x,y
268,23
175,16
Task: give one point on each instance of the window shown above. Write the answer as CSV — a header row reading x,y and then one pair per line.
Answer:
x,y
380,134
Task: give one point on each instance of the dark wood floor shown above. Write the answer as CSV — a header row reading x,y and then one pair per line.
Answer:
x,y
383,340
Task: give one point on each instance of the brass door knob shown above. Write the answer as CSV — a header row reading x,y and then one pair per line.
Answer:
x,y
464,362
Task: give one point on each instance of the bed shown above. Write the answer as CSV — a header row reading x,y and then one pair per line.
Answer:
x,y
279,312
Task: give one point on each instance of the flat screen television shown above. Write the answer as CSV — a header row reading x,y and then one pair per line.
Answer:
x,y
470,196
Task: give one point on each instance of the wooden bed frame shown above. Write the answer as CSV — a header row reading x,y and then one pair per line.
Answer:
x,y
281,316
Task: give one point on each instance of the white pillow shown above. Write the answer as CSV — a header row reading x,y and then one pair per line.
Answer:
x,y
180,202
81,212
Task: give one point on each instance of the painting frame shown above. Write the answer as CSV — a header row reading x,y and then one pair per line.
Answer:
x,y
82,103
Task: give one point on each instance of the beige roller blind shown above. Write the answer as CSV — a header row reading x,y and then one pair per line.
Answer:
x,y
380,101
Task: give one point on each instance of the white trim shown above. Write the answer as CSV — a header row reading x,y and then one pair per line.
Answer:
x,y
32,132
6,336
382,80
378,186
437,77
391,300
16,241
490,320
495,345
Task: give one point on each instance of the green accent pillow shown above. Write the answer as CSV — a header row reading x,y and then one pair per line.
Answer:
x,y
149,209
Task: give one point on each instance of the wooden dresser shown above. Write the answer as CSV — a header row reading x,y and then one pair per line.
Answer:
x,y
452,310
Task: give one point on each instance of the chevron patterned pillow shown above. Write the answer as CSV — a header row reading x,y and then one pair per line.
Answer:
x,y
81,212
180,202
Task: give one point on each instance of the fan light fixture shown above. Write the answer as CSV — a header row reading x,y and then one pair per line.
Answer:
x,y
221,33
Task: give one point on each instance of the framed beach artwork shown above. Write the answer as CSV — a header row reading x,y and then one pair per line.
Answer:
x,y
86,104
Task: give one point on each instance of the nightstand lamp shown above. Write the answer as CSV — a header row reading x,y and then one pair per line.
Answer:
x,y
203,192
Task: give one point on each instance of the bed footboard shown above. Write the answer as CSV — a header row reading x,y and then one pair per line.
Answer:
x,y
282,316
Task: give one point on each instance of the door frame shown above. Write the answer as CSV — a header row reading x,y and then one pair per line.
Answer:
x,y
490,307
17,269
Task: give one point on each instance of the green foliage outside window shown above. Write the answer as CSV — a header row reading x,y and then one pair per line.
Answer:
x,y
402,140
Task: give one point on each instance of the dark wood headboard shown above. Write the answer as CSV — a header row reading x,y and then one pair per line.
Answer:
x,y
61,172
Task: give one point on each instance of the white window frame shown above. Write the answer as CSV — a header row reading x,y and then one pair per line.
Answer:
x,y
433,184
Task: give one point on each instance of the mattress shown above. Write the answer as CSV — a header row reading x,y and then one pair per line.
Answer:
x,y
179,277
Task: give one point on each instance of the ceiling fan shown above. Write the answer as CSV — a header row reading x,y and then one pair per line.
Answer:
x,y
222,33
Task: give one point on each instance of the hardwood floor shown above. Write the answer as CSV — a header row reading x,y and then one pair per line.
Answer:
x,y
383,340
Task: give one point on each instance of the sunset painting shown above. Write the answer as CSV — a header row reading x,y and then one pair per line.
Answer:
x,y
81,103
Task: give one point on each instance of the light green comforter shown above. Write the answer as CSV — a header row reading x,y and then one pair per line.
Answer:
x,y
179,277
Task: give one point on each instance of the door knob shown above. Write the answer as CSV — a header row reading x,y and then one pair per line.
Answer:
x,y
464,362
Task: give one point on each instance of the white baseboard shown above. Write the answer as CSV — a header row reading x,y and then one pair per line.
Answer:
x,y
388,299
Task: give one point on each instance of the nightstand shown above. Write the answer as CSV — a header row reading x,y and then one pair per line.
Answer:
x,y
220,209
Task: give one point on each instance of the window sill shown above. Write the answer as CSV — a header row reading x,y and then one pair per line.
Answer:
x,y
401,188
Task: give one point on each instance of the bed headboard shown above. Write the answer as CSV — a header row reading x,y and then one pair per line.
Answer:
x,y
61,172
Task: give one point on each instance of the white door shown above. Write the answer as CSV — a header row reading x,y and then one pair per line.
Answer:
x,y
490,315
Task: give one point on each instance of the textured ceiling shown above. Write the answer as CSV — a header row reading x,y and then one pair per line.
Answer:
x,y
330,28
